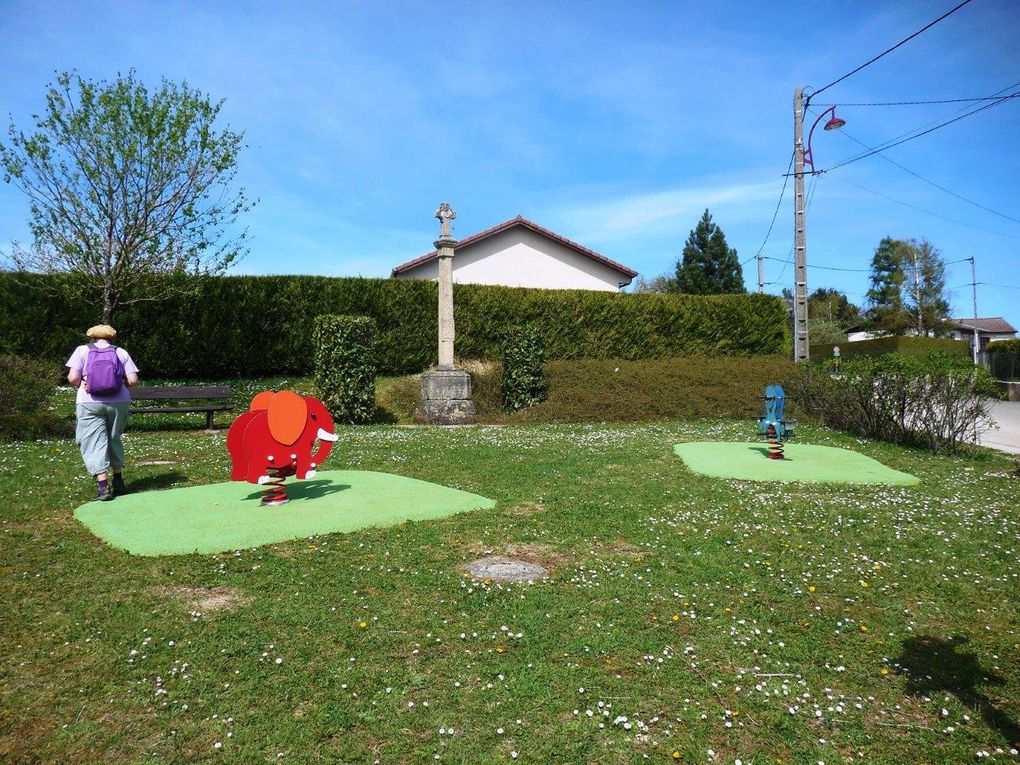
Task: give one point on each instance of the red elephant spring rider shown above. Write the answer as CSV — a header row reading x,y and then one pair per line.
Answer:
x,y
274,439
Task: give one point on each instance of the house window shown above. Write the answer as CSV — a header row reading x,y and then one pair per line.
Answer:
x,y
984,342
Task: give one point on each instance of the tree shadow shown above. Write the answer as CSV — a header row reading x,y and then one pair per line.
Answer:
x,y
307,489
154,482
932,665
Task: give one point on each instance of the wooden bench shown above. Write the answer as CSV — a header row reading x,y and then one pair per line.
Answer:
x,y
208,399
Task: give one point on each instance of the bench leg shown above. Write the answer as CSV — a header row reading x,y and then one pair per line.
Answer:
x,y
208,420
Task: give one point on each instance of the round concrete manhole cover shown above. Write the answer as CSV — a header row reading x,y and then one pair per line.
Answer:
x,y
505,570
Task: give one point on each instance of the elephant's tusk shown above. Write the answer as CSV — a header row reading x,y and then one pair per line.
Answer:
x,y
325,435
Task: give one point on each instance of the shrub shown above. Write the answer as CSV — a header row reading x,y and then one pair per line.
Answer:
x,y
938,402
345,366
25,389
522,382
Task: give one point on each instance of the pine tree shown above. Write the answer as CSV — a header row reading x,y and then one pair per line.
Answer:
x,y
708,266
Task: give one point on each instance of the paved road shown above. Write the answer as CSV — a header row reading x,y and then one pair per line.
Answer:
x,y
1007,437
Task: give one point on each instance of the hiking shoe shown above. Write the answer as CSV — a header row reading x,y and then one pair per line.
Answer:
x,y
104,494
119,486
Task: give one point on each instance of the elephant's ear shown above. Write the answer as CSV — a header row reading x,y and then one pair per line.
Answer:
x,y
287,416
261,401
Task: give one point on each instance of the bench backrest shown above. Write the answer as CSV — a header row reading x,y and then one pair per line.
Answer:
x,y
179,393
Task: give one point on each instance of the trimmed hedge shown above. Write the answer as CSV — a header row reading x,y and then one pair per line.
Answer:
x,y
262,325
345,366
904,345
25,389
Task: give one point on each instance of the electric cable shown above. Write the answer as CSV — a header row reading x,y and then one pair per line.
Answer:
x,y
786,179
890,50
912,103
926,212
933,183
889,145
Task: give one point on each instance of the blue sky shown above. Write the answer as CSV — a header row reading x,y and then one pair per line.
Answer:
x,y
612,124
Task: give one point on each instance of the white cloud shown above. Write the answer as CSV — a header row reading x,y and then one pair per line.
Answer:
x,y
672,208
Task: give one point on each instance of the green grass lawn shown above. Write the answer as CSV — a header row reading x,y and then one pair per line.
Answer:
x,y
687,618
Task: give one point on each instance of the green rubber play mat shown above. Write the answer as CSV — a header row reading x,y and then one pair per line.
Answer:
x,y
227,516
801,462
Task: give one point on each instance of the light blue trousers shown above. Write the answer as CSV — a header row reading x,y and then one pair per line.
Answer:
x,y
98,433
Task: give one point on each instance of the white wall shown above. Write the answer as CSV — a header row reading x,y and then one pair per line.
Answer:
x,y
519,257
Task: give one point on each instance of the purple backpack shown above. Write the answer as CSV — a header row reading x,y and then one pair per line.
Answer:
x,y
104,371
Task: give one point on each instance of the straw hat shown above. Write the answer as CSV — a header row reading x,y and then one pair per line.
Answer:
x,y
102,332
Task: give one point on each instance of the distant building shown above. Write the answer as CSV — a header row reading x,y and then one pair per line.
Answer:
x,y
519,253
988,331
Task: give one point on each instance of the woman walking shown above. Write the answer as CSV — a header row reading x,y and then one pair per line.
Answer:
x,y
102,373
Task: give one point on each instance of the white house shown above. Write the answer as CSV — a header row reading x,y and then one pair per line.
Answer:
x,y
519,253
988,330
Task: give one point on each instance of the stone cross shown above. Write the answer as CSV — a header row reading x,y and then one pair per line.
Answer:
x,y
444,249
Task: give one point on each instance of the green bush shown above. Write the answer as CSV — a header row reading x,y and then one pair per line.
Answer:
x,y
901,344
261,326
1004,346
522,382
345,366
25,389
935,402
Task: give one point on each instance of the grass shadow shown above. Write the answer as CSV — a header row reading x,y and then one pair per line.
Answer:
x,y
155,482
934,666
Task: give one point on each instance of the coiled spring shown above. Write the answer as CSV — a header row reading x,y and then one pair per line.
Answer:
x,y
275,493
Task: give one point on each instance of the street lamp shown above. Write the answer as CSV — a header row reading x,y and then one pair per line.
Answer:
x,y
802,156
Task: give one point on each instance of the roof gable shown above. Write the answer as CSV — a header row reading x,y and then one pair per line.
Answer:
x,y
525,223
994,325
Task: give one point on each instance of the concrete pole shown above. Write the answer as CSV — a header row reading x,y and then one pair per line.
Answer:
x,y
444,249
761,274
973,293
801,347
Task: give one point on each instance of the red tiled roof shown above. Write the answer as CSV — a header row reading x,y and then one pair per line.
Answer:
x,y
521,221
996,325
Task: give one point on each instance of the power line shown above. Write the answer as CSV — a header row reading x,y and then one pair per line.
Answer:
x,y
827,268
932,183
926,212
889,145
890,50
786,179
1000,286
914,103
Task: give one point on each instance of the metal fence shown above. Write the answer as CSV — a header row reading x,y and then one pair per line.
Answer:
x,y
1003,365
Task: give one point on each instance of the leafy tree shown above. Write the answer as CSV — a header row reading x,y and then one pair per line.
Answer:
x,y
832,305
830,315
663,283
709,265
125,184
908,288
926,287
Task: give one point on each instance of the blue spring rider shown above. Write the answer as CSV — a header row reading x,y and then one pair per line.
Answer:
x,y
773,425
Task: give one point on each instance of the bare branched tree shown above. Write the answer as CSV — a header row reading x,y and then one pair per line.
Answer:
x,y
126,185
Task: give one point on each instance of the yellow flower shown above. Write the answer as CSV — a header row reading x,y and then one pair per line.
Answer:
x,y
362,624
676,755
864,628
811,588
864,584
885,670
676,617
500,648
